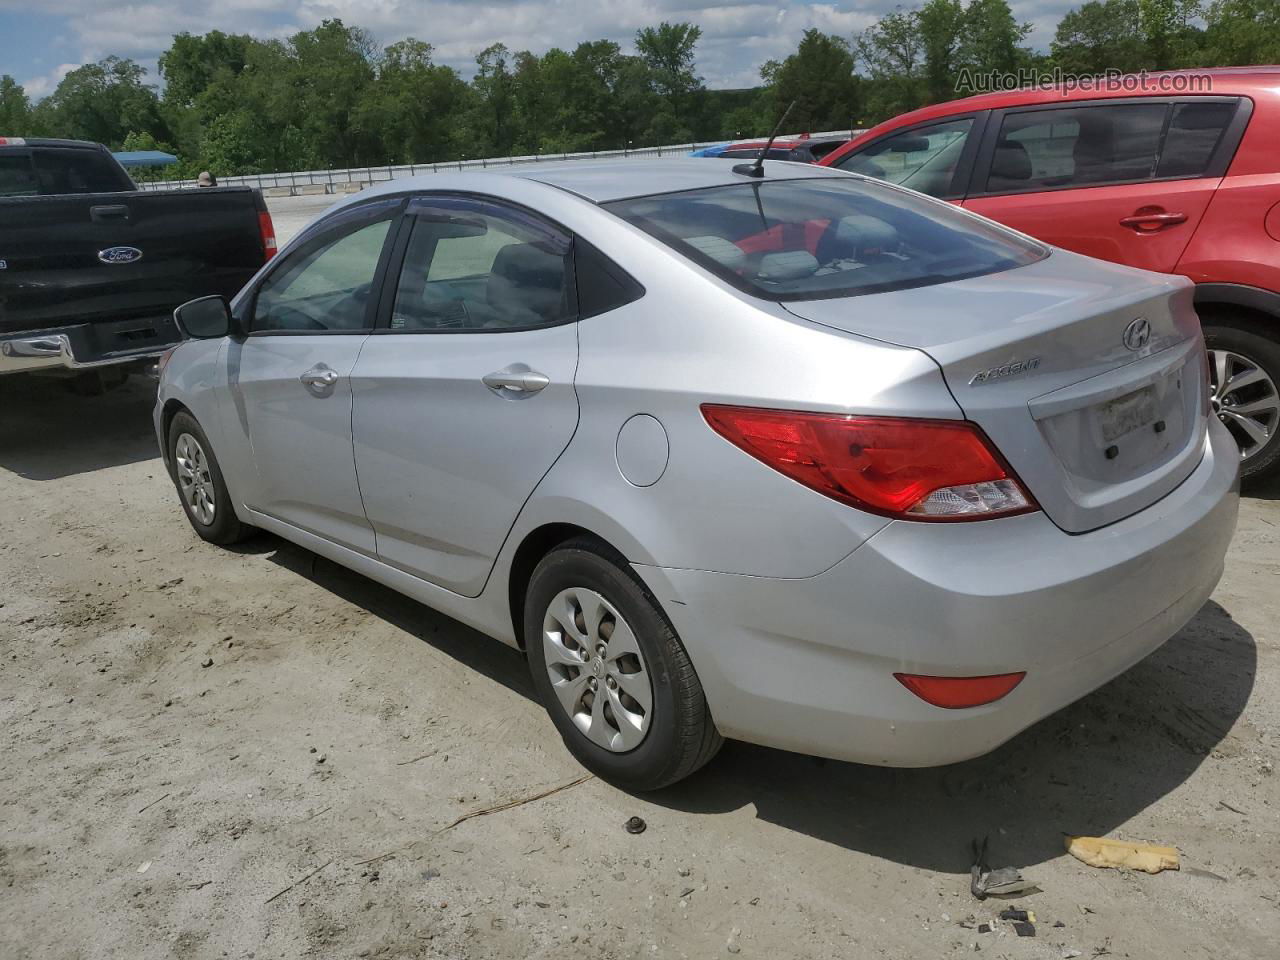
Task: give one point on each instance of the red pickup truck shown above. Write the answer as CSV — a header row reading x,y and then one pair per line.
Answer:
x,y
1175,172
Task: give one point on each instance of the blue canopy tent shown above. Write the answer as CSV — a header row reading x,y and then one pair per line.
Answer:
x,y
145,158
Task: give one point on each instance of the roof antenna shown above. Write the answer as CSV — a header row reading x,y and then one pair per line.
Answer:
x,y
756,169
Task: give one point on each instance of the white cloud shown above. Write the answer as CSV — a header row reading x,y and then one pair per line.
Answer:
x,y
42,86
737,35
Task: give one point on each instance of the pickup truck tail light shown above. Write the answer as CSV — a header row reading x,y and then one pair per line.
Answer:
x,y
268,231
908,469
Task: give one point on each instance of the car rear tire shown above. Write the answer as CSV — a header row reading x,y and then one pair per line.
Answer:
x,y
200,484
611,671
1251,409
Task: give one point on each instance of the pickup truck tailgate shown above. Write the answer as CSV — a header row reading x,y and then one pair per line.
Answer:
x,y
122,259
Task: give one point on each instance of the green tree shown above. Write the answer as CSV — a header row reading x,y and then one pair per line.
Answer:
x,y
1099,36
15,108
103,101
1239,32
669,51
942,24
992,40
892,53
494,103
819,79
191,63
411,103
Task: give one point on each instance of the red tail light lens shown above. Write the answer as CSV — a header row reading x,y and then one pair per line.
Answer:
x,y
904,468
956,693
268,231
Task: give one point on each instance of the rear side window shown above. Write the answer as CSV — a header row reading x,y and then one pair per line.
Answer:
x,y
923,158
78,171
476,265
825,237
1195,130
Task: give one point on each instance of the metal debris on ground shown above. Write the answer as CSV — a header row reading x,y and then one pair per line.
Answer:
x,y
1001,882
635,825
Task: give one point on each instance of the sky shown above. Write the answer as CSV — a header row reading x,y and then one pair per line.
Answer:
x,y
41,40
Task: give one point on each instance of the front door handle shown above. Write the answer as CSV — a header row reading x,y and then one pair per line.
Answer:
x,y
516,379
1149,220
320,376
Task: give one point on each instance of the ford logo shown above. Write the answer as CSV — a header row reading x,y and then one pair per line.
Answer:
x,y
120,255
1137,334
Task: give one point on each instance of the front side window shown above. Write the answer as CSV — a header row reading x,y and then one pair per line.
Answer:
x,y
1076,147
923,158
476,265
824,237
325,286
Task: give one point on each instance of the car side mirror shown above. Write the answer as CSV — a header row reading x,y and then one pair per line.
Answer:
x,y
207,318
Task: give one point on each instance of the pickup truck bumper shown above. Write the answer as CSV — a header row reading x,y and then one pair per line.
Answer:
x,y
87,346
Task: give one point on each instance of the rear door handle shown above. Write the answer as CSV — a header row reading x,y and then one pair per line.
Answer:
x,y
1155,220
320,376
517,378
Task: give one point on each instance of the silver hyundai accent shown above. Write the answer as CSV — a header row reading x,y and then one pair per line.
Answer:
x,y
800,458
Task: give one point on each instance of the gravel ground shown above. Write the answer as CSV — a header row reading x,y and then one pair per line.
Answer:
x,y
254,753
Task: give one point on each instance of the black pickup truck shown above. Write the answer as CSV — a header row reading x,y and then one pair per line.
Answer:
x,y
91,267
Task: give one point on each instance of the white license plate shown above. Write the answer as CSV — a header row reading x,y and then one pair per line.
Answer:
x,y
1128,413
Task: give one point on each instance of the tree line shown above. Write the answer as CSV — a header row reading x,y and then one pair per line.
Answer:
x,y
332,97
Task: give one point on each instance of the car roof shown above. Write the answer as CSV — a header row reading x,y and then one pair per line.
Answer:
x,y
604,180
1223,81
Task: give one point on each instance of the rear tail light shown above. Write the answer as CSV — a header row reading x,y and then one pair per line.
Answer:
x,y
897,467
268,231
956,693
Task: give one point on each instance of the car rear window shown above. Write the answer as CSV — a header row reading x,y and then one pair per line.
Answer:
x,y
54,171
821,238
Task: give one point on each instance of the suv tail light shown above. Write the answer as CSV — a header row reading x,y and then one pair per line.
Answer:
x,y
268,231
908,469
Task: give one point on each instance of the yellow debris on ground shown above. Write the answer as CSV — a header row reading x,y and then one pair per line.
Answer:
x,y
1122,854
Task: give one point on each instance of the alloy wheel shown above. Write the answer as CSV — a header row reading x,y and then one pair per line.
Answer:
x,y
597,670
1245,398
194,478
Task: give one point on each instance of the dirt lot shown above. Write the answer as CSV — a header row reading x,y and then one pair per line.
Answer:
x,y
203,750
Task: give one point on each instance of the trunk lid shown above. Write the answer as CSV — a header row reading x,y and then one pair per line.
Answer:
x,y
1096,427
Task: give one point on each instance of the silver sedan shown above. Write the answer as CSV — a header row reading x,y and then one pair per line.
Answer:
x,y
797,458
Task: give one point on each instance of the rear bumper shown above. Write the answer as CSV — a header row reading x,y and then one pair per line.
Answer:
x,y
807,665
87,346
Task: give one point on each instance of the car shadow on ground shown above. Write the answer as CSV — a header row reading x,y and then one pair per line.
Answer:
x,y
47,432
1087,769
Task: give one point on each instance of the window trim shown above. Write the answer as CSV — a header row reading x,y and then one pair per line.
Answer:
x,y
1217,167
400,249
317,235
961,177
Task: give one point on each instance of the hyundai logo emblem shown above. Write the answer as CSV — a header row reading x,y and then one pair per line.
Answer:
x,y
1137,334
120,255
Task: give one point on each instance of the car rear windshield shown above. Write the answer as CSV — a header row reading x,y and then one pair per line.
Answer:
x,y
821,238
52,171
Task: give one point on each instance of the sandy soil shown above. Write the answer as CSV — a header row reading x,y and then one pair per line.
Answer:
x,y
155,806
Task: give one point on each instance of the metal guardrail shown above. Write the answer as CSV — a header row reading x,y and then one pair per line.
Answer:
x,y
354,178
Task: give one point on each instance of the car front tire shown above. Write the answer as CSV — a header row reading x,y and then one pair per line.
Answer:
x,y
612,672
201,487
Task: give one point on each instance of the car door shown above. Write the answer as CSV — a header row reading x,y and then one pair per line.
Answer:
x,y
933,158
289,376
464,396
1126,181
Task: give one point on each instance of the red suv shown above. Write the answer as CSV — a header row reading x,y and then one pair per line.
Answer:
x,y
1139,174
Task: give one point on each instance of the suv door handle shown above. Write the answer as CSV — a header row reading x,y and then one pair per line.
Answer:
x,y
320,376
1152,220
517,378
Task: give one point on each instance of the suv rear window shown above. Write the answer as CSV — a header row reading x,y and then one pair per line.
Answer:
x,y
825,237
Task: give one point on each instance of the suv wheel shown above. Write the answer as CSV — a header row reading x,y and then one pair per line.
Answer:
x,y
1244,374
611,671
